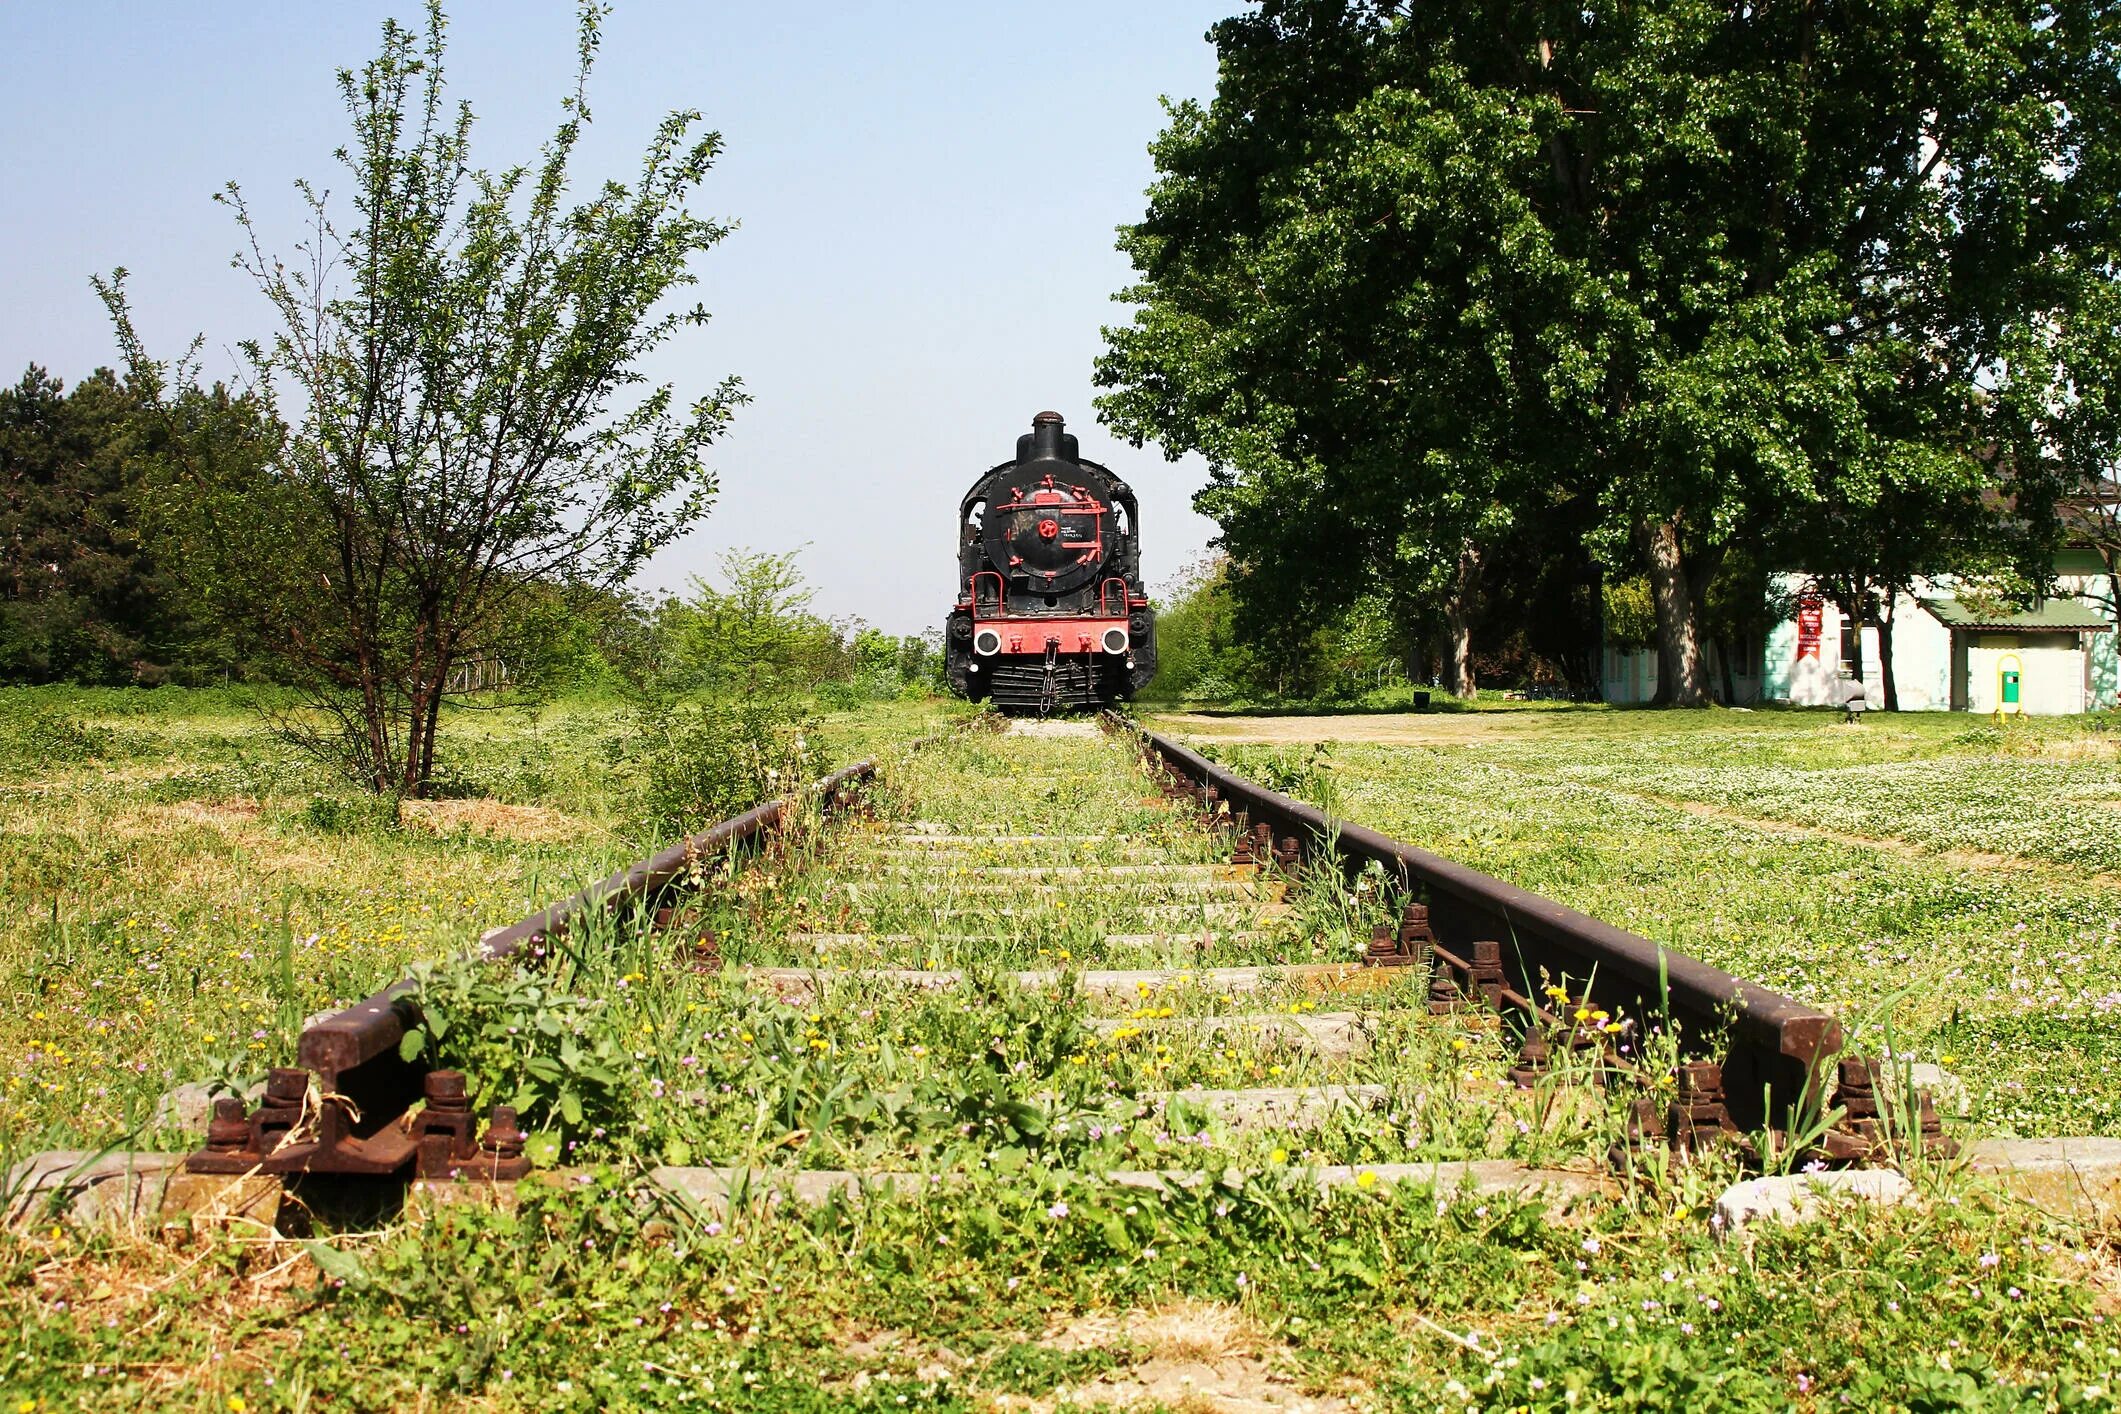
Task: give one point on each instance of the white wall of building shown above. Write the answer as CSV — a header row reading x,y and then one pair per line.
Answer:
x,y
1922,658
1929,660
2050,671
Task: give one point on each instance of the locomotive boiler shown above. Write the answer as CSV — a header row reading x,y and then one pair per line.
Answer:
x,y
1050,613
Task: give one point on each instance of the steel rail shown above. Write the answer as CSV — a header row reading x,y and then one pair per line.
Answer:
x,y
367,1087
1779,1049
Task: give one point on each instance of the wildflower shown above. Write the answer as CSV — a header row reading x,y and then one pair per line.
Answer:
x,y
1590,1246
1366,1179
1279,1156
1057,1211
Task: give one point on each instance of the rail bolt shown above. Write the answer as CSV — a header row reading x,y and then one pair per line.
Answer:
x,y
1701,1082
504,1136
229,1130
445,1090
1858,1091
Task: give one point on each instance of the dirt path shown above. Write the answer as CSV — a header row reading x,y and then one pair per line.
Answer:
x,y
1381,729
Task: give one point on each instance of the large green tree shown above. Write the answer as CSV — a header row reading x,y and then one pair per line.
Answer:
x,y
86,593
2066,407
460,351
77,595
1418,271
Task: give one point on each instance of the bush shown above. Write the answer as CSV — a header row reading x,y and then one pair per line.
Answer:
x,y
350,815
704,759
47,734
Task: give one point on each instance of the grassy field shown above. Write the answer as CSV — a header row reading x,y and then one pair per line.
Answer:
x,y
178,890
1952,887
1012,1276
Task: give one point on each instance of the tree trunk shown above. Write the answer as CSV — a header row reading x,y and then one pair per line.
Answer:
x,y
1458,626
1682,675
1885,650
1458,653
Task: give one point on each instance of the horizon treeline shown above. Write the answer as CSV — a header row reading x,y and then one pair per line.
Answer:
x,y
89,593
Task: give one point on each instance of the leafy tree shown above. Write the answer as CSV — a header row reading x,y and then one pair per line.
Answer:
x,y
85,592
1198,651
462,357
76,596
1418,271
2067,407
756,636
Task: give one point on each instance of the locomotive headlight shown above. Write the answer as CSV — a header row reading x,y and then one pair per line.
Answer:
x,y
1115,640
986,641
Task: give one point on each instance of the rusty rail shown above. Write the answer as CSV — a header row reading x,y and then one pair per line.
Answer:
x,y
341,1108
1498,943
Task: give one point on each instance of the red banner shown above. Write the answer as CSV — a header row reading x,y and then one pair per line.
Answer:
x,y
1808,624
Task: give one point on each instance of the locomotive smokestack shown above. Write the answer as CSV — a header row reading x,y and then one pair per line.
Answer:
x,y
1047,441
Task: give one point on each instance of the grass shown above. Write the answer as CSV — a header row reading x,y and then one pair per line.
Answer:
x,y
1943,884
180,891
1011,1277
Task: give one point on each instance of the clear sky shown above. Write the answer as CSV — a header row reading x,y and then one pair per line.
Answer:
x,y
926,195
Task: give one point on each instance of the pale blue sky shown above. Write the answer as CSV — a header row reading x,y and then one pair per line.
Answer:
x,y
927,195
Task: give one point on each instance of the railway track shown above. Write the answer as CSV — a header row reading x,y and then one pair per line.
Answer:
x,y
1087,949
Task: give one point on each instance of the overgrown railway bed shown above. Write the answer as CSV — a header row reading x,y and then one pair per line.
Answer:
x,y
1083,949
1045,1069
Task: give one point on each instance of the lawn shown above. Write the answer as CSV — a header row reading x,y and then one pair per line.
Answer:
x,y
1952,887
1012,1274
179,889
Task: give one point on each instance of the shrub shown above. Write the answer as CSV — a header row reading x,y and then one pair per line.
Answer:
x,y
703,759
47,734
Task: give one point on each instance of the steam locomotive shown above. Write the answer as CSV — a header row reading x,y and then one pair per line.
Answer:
x,y
1050,613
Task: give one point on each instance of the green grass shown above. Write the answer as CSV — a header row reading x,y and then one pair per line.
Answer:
x,y
1012,1273
1945,885
178,890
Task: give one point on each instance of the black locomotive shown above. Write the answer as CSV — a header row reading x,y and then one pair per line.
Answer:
x,y
1050,612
